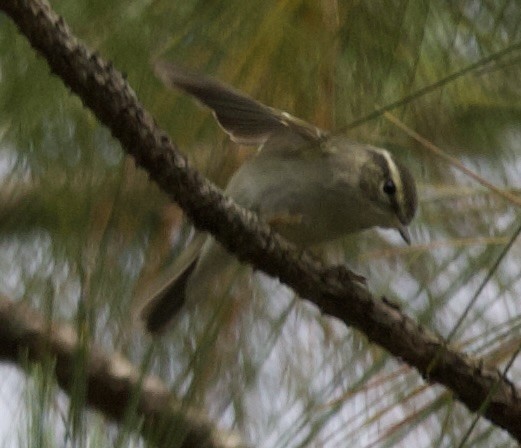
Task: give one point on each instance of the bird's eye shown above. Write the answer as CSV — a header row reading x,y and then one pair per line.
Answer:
x,y
389,187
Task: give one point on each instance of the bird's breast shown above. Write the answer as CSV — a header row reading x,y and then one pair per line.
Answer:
x,y
305,203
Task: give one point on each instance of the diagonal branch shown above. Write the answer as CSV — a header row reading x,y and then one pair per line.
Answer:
x,y
104,90
113,384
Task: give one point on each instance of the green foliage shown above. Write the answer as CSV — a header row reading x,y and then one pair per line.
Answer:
x,y
82,230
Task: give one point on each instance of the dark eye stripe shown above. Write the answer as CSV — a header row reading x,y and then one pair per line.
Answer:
x,y
381,161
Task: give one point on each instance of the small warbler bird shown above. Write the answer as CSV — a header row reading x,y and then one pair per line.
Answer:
x,y
312,187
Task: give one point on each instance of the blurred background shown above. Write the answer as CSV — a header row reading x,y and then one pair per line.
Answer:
x,y
82,231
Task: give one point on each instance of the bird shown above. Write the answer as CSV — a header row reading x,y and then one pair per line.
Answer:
x,y
310,185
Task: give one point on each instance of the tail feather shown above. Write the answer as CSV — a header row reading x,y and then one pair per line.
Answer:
x,y
167,303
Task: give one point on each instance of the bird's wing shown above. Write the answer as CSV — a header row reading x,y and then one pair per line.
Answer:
x,y
246,120
166,296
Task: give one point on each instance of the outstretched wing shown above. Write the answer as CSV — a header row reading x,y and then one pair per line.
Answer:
x,y
246,120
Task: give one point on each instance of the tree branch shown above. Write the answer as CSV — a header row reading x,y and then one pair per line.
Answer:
x,y
113,385
104,90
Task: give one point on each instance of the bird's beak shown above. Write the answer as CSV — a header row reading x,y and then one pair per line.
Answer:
x,y
404,232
